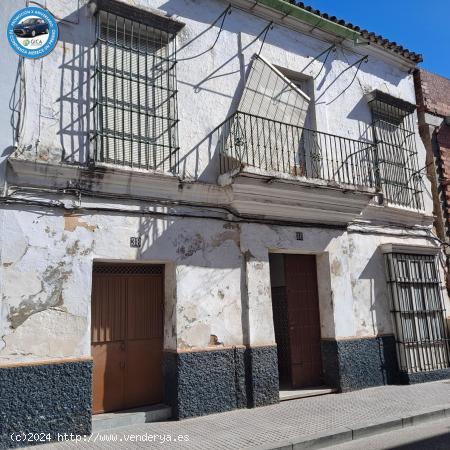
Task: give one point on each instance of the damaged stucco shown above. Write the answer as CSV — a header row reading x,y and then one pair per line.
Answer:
x,y
217,278
203,278
43,312
217,284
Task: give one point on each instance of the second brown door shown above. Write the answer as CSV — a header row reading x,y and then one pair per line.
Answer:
x,y
127,336
303,320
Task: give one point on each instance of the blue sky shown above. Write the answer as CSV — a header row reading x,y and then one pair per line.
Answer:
x,y
421,26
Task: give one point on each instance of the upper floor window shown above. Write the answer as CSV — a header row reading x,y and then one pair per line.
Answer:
x,y
396,160
135,94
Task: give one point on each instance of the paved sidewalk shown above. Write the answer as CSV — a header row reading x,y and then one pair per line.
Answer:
x,y
346,415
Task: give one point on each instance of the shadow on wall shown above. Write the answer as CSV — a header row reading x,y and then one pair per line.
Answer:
x,y
362,115
201,162
76,88
209,147
206,261
70,118
65,114
382,324
189,164
17,107
374,273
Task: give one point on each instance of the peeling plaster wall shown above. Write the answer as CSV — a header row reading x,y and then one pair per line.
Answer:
x,y
46,269
217,282
353,296
371,304
217,279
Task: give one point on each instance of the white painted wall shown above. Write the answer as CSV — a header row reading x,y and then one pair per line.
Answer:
x,y
46,267
218,280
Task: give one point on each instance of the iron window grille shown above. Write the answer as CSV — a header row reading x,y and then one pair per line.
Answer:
x,y
397,174
135,109
418,312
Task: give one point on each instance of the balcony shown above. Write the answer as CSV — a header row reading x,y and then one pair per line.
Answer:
x,y
281,170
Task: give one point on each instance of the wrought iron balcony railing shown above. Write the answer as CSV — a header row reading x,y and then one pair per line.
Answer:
x,y
266,144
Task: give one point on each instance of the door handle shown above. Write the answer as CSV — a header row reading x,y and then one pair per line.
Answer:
x,y
122,345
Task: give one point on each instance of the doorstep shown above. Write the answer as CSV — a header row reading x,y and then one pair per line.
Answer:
x,y
144,414
292,394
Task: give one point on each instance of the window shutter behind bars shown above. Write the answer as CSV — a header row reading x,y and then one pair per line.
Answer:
x,y
135,95
397,161
418,312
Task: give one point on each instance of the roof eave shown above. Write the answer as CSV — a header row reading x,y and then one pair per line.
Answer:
x,y
283,12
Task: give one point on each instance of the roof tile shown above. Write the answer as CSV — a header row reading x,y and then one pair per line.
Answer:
x,y
372,37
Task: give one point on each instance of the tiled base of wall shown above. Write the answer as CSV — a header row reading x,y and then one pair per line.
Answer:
x,y
351,364
48,398
206,382
424,377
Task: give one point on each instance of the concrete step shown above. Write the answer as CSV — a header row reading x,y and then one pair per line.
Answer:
x,y
145,414
292,394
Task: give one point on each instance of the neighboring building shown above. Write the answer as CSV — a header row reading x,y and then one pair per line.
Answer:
x,y
197,217
433,98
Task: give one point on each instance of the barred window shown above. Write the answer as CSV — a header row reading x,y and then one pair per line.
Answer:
x,y
418,312
135,94
396,158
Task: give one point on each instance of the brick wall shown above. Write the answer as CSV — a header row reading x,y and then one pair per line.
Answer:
x,y
432,93
443,139
433,97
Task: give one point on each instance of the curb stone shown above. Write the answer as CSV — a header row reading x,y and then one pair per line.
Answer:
x,y
346,434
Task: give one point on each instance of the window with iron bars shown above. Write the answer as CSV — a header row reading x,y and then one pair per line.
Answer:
x,y
396,162
418,312
135,95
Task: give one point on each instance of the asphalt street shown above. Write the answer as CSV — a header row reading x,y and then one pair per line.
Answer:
x,y
429,436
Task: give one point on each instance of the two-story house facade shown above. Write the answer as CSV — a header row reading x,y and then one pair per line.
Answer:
x,y
204,202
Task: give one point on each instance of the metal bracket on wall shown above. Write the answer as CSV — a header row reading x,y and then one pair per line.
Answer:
x,y
327,51
222,16
266,31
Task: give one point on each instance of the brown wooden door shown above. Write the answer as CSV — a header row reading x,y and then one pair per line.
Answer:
x,y
303,320
127,336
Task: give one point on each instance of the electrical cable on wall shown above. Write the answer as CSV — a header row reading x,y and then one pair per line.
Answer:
x,y
18,106
231,214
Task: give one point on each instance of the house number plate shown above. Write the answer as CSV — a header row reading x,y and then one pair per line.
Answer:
x,y
135,242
